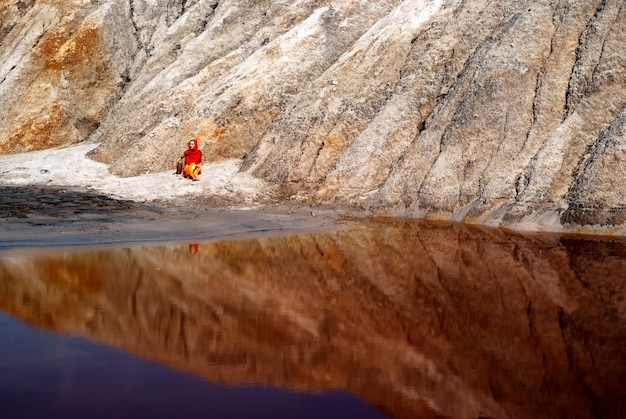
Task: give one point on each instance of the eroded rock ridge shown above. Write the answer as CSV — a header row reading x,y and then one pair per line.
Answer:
x,y
501,113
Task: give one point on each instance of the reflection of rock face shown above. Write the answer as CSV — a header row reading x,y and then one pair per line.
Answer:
x,y
484,111
417,319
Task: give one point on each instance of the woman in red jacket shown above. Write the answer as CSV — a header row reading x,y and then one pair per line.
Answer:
x,y
191,158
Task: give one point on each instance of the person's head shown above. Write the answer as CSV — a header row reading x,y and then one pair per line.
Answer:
x,y
192,144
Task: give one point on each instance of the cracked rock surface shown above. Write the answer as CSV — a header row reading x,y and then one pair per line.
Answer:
x,y
507,113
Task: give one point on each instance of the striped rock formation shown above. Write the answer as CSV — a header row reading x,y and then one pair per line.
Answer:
x,y
506,113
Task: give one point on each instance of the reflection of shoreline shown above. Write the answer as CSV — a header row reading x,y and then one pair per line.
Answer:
x,y
416,318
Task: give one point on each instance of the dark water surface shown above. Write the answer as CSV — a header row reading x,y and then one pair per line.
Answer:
x,y
383,318
63,376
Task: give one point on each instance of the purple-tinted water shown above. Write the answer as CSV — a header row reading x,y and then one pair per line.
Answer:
x,y
48,375
393,317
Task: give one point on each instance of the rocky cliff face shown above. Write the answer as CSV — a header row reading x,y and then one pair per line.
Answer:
x,y
502,113
420,320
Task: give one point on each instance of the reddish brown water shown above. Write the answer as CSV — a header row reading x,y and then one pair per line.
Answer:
x,y
393,317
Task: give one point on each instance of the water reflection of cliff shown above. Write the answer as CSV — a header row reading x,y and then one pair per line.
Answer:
x,y
420,320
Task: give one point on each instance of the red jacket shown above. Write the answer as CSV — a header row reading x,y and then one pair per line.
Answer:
x,y
193,156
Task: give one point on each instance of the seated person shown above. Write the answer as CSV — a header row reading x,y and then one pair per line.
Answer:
x,y
191,159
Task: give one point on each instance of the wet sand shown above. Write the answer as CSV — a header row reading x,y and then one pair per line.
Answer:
x,y
35,216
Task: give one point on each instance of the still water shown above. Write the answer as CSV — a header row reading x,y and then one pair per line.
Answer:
x,y
383,318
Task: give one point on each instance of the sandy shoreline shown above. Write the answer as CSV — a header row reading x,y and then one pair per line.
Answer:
x,y
37,217
69,167
60,197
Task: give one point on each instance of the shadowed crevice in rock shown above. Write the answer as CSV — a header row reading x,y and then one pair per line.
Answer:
x,y
596,196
